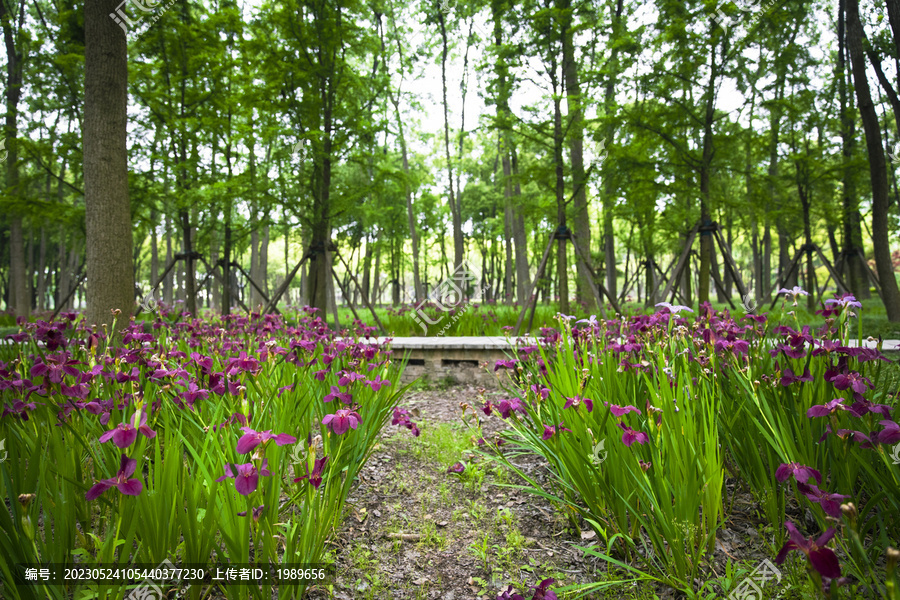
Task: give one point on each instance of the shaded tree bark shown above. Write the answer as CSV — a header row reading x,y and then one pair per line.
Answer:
x,y
110,274
877,167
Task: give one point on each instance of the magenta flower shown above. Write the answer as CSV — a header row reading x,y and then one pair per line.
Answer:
x,y
456,468
508,405
549,432
348,377
540,391
829,408
129,487
251,439
788,377
377,383
800,472
247,477
505,364
124,434
577,400
674,309
844,301
631,436
194,393
623,410
336,392
314,478
853,380
821,558
541,592
342,421
793,292
890,434
830,503
257,513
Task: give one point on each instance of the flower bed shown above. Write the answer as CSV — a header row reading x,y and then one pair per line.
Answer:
x,y
641,420
231,441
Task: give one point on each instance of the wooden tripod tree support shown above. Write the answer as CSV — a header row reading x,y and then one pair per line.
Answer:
x,y
287,281
562,233
709,228
873,277
832,272
81,277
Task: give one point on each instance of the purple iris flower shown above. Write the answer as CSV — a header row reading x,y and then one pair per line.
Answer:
x,y
124,434
508,405
342,421
844,301
505,364
631,436
788,377
336,392
823,559
674,309
801,473
320,375
890,434
193,394
348,377
456,468
549,432
257,513
251,439
853,380
508,595
314,478
577,400
623,410
377,383
247,477
122,481
541,592
793,292
830,503
829,408
540,391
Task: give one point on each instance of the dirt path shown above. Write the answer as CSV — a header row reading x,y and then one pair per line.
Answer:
x,y
415,531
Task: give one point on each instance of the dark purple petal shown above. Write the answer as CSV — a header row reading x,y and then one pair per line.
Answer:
x,y
96,490
131,487
825,562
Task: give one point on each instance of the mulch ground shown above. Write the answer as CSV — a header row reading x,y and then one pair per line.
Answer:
x,y
415,531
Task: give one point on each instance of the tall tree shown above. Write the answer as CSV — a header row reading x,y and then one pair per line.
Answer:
x,y
110,274
13,36
877,167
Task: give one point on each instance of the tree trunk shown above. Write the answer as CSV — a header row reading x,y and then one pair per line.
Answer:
x,y
585,281
852,220
456,215
562,262
410,215
110,273
877,168
609,240
17,276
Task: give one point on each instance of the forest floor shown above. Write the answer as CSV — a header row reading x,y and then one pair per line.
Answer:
x,y
415,531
